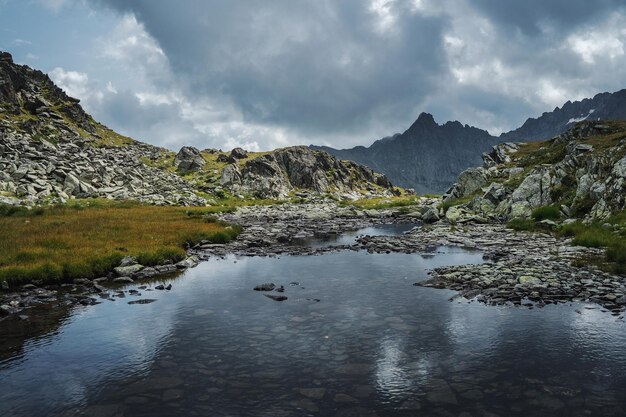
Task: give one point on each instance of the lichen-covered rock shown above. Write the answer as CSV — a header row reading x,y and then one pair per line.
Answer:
x,y
535,189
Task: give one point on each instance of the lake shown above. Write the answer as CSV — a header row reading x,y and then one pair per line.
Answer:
x,y
354,338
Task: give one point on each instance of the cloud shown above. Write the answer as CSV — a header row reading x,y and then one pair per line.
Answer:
x,y
309,67
267,74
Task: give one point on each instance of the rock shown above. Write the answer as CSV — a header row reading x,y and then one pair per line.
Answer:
x,y
276,297
469,181
230,176
495,193
529,281
189,159
534,189
239,153
160,287
128,261
142,301
123,280
265,287
4,285
278,173
344,398
431,215
190,262
146,272
313,393
125,271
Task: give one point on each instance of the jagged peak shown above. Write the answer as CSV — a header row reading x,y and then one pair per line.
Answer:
x,y
424,120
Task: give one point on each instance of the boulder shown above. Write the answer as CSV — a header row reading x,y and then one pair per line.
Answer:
x,y
239,153
230,175
125,271
469,181
189,159
431,215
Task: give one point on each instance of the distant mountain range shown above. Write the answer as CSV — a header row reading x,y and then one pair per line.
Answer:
x,y
428,157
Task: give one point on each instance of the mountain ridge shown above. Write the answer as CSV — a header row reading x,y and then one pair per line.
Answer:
x,y
415,168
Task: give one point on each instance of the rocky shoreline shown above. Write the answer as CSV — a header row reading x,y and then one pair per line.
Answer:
x,y
521,269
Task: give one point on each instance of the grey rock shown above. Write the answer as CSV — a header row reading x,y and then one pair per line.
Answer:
x,y
239,153
125,271
189,159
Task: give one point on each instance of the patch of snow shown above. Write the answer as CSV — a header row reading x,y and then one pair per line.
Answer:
x,y
580,119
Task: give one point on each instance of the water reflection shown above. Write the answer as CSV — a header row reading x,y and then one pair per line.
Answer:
x,y
373,341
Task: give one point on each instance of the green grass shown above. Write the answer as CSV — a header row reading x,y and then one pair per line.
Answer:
x,y
546,213
87,240
526,225
595,235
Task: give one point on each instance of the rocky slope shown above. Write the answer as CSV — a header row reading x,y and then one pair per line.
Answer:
x,y
51,150
283,171
428,157
582,172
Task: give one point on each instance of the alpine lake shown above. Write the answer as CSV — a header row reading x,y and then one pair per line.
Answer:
x,y
354,337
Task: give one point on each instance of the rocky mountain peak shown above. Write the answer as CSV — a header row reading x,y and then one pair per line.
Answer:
x,y
424,120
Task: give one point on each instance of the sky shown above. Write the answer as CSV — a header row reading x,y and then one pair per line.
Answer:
x,y
266,74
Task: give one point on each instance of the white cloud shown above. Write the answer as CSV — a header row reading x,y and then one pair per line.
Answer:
x,y
603,42
75,84
21,42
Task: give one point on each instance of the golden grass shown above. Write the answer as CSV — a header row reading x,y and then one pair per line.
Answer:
x,y
64,243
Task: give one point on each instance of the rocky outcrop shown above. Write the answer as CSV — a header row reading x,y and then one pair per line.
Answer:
x,y
582,172
277,174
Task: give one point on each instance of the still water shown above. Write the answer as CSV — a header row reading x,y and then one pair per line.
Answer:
x,y
354,338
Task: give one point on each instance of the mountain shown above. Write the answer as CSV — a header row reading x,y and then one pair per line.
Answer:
x,y
51,150
604,106
428,157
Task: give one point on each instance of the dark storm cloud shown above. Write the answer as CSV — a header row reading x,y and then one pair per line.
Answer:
x,y
533,16
317,66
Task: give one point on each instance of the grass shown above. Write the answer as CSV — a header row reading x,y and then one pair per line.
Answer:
x,y
594,235
86,241
546,213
